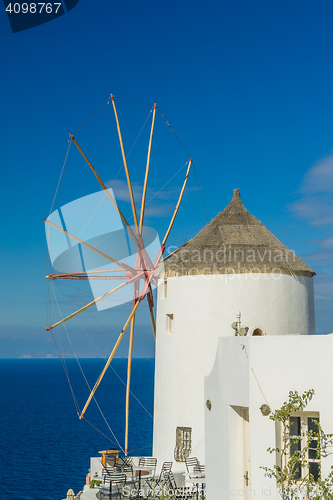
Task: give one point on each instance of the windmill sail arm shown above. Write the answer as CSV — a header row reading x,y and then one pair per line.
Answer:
x,y
125,165
87,306
178,204
129,319
87,275
153,322
114,350
94,249
134,278
128,384
83,277
106,190
151,308
144,193
90,277
138,243
129,363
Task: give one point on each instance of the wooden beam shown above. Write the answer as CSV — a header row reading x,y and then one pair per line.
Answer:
x,y
144,193
129,369
82,273
178,204
139,245
136,290
106,191
153,322
90,277
114,350
94,249
125,164
88,305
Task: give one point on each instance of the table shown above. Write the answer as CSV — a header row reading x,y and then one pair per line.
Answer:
x,y
109,453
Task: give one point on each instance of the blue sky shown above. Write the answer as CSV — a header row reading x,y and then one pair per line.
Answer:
x,y
246,86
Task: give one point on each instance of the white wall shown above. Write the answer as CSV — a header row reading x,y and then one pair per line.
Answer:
x,y
204,308
280,364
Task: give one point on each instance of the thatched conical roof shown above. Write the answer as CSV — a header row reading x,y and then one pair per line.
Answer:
x,y
234,242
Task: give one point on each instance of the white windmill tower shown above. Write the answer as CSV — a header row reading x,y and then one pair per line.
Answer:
x,y
233,264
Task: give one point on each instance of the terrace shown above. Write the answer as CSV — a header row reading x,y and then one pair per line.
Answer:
x,y
112,477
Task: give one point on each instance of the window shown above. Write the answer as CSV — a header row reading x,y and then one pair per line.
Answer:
x,y
300,425
165,289
314,461
183,443
257,332
169,323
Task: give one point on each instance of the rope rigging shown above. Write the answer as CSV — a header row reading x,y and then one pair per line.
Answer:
x,y
61,175
92,157
93,116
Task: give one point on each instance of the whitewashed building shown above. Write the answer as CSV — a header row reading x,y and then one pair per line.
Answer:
x,y
234,270
250,372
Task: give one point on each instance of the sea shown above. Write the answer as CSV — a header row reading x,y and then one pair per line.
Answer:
x,y
45,448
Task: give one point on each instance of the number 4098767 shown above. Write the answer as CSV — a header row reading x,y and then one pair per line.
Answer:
x,y
33,8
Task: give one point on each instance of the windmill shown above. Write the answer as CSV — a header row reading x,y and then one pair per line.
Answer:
x,y
143,275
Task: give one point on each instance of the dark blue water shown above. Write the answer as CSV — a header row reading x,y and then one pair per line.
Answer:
x,y
45,448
